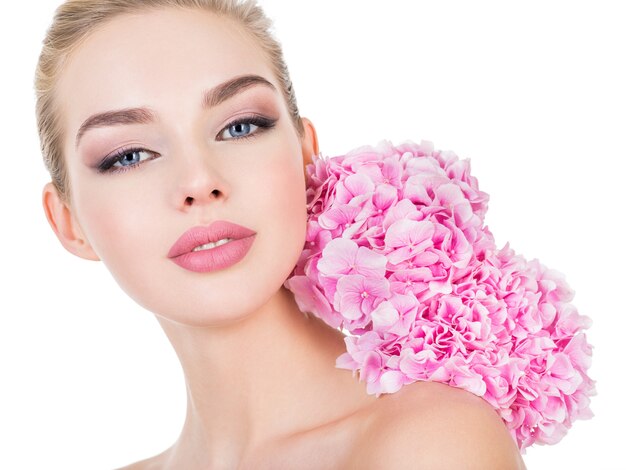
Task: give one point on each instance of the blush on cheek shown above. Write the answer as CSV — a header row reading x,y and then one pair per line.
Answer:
x,y
284,200
292,194
293,206
116,234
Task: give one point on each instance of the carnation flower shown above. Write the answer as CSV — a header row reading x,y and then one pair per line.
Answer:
x,y
398,256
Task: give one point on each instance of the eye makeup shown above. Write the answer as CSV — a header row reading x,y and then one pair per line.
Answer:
x,y
118,161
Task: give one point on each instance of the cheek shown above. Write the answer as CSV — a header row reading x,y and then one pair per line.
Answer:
x,y
280,200
117,225
290,179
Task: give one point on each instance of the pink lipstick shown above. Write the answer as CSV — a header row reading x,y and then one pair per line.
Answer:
x,y
218,246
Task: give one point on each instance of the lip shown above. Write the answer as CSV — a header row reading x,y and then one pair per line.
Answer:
x,y
216,258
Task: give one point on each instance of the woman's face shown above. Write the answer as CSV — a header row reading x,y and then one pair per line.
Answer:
x,y
191,166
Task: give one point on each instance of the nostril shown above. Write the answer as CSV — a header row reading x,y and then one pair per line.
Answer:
x,y
189,200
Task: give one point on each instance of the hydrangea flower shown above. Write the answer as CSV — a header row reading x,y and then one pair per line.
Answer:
x,y
398,256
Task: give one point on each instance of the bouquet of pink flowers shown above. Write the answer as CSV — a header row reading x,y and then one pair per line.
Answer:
x,y
397,255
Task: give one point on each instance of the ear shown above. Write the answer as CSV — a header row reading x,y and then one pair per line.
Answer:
x,y
64,224
310,146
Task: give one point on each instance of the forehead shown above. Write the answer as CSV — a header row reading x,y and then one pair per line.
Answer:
x,y
161,57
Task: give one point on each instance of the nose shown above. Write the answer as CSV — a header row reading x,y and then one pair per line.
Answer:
x,y
198,181
194,200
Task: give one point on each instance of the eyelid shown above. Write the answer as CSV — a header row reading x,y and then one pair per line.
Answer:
x,y
122,154
106,165
263,124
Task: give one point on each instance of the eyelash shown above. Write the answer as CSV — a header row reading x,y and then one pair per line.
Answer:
x,y
106,165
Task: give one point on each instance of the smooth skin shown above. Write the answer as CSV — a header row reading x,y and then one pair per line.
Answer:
x,y
263,390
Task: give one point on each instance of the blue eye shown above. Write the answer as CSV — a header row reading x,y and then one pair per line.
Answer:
x,y
125,159
246,127
131,157
240,129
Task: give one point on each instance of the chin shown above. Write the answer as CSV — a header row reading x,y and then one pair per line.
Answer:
x,y
224,300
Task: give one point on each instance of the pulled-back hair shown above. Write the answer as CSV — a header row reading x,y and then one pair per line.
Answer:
x,y
74,20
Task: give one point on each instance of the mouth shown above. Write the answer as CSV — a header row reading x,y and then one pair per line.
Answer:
x,y
203,238
213,255
211,245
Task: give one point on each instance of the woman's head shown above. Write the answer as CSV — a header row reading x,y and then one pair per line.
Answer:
x,y
174,118
76,19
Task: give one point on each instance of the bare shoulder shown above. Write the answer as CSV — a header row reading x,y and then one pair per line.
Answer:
x,y
436,426
152,463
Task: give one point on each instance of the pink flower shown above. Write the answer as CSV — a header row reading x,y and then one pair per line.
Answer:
x,y
397,254
343,256
408,239
357,296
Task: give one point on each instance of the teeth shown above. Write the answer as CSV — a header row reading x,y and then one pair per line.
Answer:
x,y
208,246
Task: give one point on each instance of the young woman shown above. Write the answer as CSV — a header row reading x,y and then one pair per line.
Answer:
x,y
170,128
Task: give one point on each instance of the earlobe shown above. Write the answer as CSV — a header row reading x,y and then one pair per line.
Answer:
x,y
64,224
310,145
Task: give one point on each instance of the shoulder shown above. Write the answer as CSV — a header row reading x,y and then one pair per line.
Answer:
x,y
153,463
433,425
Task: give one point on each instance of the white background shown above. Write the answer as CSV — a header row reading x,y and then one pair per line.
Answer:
x,y
532,92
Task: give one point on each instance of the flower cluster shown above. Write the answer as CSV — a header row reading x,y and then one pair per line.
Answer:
x,y
398,256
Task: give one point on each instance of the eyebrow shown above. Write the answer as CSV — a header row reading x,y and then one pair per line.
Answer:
x,y
211,98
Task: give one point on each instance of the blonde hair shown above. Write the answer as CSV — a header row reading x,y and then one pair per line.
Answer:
x,y
75,19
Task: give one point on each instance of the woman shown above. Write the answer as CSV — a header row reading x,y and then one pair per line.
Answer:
x,y
170,128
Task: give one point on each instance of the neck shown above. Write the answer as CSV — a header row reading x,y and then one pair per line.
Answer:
x,y
260,379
